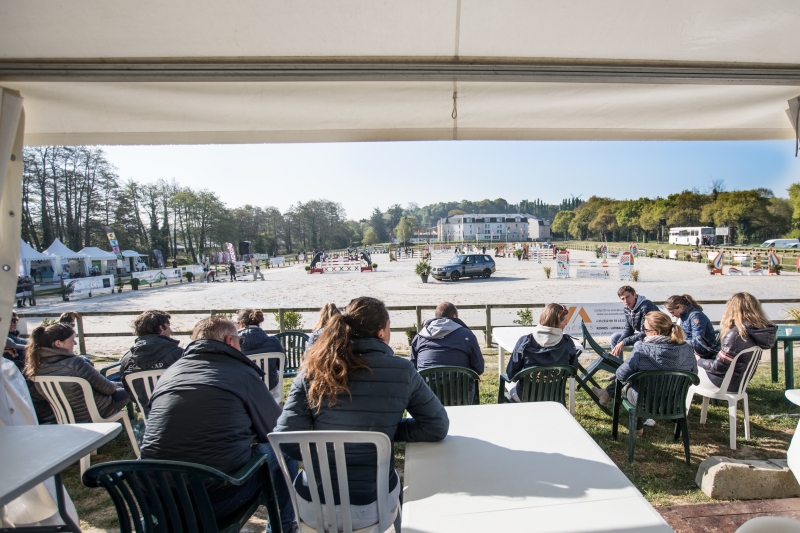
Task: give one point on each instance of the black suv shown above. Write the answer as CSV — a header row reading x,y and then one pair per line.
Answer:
x,y
464,265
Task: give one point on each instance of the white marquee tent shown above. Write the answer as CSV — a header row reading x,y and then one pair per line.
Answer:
x,y
64,255
28,256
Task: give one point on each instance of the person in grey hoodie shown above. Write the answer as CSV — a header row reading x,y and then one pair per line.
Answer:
x,y
636,307
664,347
446,341
548,345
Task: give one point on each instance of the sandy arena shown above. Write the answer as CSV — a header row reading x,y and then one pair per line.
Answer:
x,y
515,282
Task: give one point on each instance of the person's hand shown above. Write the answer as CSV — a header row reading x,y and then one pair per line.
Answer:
x,y
697,357
617,350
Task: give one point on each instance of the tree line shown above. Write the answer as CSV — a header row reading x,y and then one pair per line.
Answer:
x,y
72,193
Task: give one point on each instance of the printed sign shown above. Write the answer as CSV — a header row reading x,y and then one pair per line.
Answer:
x,y
159,276
601,319
596,273
562,265
112,240
625,265
231,251
93,285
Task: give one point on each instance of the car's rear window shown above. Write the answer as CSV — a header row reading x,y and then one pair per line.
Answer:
x,y
487,259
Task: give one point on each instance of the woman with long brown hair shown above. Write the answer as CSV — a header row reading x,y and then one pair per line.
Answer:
x,y
350,380
325,314
744,325
50,352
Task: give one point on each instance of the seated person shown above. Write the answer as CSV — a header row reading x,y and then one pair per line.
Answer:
x,y
209,408
663,348
744,325
15,345
636,307
351,381
255,340
325,314
697,328
153,349
547,346
50,352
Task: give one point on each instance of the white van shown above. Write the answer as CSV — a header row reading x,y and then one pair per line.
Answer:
x,y
779,243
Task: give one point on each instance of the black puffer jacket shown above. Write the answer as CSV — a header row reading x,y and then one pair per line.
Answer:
x,y
255,340
732,344
379,397
149,352
634,320
58,362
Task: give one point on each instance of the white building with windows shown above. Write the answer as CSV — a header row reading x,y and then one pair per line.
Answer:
x,y
493,227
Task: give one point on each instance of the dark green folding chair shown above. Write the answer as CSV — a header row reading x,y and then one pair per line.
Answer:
x,y
539,384
605,361
661,396
170,496
453,385
294,345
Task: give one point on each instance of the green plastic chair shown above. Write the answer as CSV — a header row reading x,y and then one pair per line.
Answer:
x,y
661,396
294,344
539,384
451,384
171,496
605,361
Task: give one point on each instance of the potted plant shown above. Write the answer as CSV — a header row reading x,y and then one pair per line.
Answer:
x,y
135,284
410,333
308,269
189,276
775,270
547,271
120,283
423,270
518,254
66,291
374,266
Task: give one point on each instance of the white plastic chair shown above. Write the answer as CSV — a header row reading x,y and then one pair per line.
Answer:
x,y
149,380
327,520
262,360
721,393
52,388
793,453
770,524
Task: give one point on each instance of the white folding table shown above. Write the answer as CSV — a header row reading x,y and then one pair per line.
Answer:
x,y
519,467
34,453
507,337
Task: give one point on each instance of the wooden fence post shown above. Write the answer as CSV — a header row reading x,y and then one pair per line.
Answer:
x,y
81,338
280,319
419,318
488,325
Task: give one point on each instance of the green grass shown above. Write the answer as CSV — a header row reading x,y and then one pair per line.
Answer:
x,y
659,470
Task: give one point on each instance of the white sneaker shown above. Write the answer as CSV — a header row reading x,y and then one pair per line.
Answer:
x,y
649,422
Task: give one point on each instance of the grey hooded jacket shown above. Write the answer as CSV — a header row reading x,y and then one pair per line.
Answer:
x,y
446,342
658,353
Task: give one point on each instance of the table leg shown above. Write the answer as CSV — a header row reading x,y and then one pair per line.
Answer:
x,y
500,359
572,396
788,363
62,507
774,362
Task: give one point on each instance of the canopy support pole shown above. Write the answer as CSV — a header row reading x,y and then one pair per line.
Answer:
x,y
12,129
794,117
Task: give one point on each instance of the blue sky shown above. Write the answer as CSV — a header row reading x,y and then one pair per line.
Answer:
x,y
362,176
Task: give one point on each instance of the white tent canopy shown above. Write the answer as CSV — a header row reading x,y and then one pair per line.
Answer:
x,y
64,256
28,256
132,253
96,254
269,71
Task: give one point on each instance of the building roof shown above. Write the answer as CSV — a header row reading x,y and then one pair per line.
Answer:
x,y
458,218
203,71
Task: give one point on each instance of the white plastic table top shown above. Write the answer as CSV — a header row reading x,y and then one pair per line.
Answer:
x,y
521,467
44,451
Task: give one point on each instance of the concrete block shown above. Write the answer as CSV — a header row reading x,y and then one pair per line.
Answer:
x,y
723,478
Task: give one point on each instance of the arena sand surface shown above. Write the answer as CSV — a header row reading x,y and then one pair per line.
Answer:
x,y
515,282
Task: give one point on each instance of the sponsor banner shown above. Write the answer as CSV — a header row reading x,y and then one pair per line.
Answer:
x,y
160,275
197,270
601,319
159,258
93,285
112,240
626,265
597,273
562,265
231,251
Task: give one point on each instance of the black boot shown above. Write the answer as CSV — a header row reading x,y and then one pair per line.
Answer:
x,y
19,303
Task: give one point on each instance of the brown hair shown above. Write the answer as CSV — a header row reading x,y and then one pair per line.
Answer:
x,y
626,288
250,317
327,312
43,337
661,322
681,299
70,317
446,310
214,328
743,308
552,315
150,322
331,359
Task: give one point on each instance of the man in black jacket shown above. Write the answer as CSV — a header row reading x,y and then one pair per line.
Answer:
x,y
636,308
154,349
209,408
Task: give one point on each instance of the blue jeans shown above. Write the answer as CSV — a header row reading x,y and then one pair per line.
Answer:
x,y
228,505
615,338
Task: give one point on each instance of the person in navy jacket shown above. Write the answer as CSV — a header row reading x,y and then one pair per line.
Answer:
x,y
446,341
255,340
697,328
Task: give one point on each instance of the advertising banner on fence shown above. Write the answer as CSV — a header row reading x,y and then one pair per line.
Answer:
x,y
601,319
562,265
159,276
625,265
595,273
92,285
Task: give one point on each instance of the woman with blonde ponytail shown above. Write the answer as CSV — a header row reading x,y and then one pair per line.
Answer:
x,y
351,380
51,352
664,348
